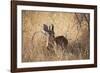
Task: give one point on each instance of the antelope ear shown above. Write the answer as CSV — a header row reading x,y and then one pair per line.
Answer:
x,y
45,27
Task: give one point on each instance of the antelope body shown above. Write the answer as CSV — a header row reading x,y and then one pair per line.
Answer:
x,y
59,41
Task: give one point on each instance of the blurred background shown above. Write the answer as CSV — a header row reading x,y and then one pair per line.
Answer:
x,y
75,27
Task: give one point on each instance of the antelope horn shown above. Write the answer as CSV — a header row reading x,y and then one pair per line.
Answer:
x,y
52,26
49,28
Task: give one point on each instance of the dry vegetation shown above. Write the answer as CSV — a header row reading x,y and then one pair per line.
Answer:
x,y
74,26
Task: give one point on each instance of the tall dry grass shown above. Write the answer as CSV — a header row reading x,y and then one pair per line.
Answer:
x,y
39,51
